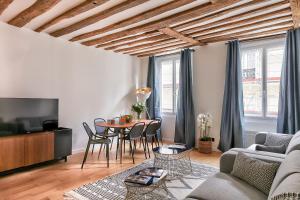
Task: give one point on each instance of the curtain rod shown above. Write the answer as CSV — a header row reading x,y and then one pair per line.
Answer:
x,y
282,35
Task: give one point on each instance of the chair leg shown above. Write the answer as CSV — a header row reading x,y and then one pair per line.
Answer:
x,y
132,150
144,147
124,145
117,151
146,140
93,149
152,140
86,153
112,141
100,151
107,154
157,140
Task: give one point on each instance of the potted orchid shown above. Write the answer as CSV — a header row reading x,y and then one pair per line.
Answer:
x,y
204,122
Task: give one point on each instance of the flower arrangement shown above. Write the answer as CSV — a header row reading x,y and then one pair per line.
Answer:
x,y
204,122
138,108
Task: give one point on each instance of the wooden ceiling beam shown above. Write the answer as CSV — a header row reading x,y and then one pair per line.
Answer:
x,y
137,18
165,22
222,13
35,10
244,34
237,35
210,27
97,17
143,46
148,47
172,33
4,4
259,24
234,19
295,7
81,8
269,33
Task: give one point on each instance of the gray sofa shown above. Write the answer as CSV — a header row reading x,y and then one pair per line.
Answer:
x,y
227,187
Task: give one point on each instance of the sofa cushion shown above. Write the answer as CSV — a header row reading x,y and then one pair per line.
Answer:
x,y
289,167
257,173
227,159
294,143
226,187
275,139
274,149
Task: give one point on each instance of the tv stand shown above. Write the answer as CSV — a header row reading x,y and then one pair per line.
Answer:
x,y
22,150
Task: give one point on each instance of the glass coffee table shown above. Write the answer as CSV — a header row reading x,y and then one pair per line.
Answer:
x,y
138,191
175,159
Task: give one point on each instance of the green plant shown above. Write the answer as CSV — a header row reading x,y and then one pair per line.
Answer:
x,y
206,138
138,108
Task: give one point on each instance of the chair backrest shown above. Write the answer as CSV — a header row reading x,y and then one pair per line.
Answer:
x,y
100,130
137,130
152,128
88,130
117,130
159,120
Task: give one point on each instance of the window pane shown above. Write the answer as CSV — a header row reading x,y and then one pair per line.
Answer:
x,y
252,81
274,63
177,64
167,85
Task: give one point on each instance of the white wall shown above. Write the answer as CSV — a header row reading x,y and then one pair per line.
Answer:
x,y
89,82
208,83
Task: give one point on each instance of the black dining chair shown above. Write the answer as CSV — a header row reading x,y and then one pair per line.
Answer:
x,y
135,135
95,139
104,132
150,134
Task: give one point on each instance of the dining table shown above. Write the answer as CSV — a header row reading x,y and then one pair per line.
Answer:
x,y
122,128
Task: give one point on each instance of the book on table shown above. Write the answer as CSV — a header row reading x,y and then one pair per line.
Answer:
x,y
176,146
140,179
152,171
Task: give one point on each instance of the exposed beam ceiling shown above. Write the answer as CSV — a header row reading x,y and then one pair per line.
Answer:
x,y
163,23
295,6
137,18
154,27
97,17
36,9
83,7
4,4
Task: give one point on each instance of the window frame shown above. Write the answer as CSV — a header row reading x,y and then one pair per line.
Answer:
x,y
264,45
174,58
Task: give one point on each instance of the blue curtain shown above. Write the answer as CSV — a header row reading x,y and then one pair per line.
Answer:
x,y
185,116
288,120
231,133
153,81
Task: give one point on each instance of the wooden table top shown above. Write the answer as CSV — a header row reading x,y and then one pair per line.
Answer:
x,y
126,125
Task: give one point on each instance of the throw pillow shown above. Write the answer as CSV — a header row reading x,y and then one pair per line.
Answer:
x,y
287,196
275,139
255,172
274,149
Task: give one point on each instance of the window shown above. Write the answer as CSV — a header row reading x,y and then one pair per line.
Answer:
x,y
169,66
261,70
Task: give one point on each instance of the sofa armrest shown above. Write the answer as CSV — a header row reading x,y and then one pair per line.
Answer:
x,y
260,137
226,161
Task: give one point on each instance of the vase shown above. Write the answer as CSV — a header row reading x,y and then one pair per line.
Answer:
x,y
138,116
205,146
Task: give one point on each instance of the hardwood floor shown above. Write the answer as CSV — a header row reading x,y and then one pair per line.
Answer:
x,y
50,181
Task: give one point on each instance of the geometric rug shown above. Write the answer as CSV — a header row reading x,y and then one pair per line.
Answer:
x,y
113,188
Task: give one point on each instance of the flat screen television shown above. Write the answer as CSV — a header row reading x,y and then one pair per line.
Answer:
x,y
27,115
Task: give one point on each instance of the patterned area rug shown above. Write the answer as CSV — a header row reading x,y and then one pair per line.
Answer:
x,y
113,188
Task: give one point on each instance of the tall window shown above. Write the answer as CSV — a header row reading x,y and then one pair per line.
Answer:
x,y
261,71
169,66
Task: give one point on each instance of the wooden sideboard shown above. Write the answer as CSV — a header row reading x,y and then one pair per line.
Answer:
x,y
26,149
